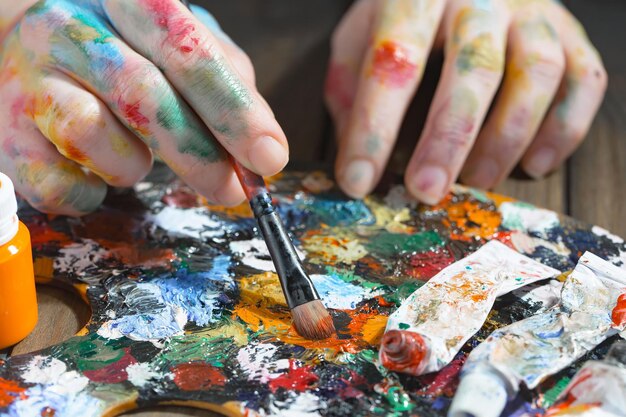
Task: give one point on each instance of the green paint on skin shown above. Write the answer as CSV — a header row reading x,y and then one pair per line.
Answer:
x,y
85,196
192,138
373,144
480,53
389,244
550,396
219,95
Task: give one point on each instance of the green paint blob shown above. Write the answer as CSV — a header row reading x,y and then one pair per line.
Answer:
x,y
403,326
550,396
398,399
348,276
389,244
399,294
212,350
91,352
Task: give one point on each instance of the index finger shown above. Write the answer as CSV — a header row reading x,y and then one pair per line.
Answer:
x,y
192,59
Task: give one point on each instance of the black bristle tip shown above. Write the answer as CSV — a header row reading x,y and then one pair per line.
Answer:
x,y
312,320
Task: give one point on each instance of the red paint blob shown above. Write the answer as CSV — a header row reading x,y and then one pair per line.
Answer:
x,y
9,392
113,373
297,379
619,312
424,266
197,376
391,65
444,382
403,351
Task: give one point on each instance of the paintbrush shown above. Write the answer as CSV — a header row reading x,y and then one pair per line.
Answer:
x,y
310,317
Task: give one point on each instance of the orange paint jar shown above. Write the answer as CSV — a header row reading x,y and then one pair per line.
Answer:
x,y
18,299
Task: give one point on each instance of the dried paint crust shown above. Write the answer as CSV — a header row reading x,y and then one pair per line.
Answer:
x,y
186,307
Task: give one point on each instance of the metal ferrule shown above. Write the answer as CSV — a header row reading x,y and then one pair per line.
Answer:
x,y
297,286
262,204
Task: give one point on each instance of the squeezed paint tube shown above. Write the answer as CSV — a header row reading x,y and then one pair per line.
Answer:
x,y
434,322
598,389
530,350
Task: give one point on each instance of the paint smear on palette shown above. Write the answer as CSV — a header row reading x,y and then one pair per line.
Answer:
x,y
187,308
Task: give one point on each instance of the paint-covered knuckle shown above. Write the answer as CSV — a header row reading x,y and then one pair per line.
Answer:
x,y
545,64
136,86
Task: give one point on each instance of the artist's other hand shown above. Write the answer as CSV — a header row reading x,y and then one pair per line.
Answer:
x,y
550,91
90,89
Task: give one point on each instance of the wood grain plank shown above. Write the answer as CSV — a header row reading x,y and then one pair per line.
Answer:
x,y
597,186
61,314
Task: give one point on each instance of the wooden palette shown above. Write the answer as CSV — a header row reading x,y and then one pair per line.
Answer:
x,y
186,308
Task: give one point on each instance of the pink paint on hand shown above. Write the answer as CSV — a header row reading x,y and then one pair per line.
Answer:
x,y
341,85
179,28
391,65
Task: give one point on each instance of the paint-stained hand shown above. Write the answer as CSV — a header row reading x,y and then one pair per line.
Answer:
x,y
91,89
550,79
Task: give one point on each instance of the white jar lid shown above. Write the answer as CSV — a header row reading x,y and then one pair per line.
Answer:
x,y
8,210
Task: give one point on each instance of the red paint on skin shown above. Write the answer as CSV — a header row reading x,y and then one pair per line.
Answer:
x,y
113,373
424,266
619,312
444,382
9,392
135,118
179,28
297,379
341,85
391,65
197,376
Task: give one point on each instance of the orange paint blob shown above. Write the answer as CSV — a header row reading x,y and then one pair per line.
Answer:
x,y
362,332
470,219
401,350
9,392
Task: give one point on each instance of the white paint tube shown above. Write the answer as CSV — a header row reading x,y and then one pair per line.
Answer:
x,y
530,350
597,390
434,322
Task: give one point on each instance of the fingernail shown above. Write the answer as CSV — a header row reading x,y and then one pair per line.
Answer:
x,y
483,173
430,184
267,156
358,178
540,163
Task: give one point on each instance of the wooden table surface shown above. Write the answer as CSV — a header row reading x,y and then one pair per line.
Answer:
x,y
288,44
